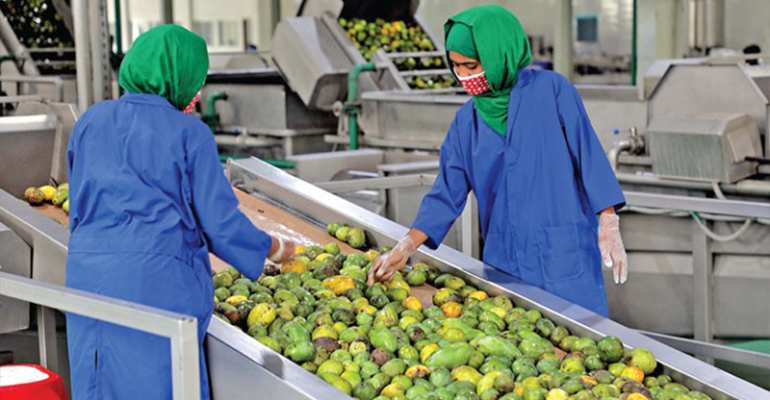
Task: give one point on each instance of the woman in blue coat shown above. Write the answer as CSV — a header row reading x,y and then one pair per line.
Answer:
x,y
525,146
149,201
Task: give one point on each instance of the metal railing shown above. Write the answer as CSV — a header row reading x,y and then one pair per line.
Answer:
x,y
56,81
181,329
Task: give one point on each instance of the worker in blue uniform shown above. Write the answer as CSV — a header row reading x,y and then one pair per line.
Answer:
x,y
148,201
525,147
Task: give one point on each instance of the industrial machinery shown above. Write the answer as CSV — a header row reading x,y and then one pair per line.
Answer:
x,y
703,244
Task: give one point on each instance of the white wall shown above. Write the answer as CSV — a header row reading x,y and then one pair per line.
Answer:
x,y
747,22
147,13
537,18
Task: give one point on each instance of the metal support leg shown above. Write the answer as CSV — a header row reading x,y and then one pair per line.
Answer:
x,y
703,288
469,227
466,227
46,333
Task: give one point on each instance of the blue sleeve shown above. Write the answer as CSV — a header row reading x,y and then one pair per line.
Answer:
x,y
230,234
599,181
446,200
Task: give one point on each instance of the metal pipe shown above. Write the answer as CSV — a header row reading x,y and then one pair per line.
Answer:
x,y
118,29
283,164
12,44
82,53
619,147
244,141
633,43
352,107
746,187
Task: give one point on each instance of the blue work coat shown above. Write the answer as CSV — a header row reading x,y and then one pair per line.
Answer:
x,y
539,189
148,202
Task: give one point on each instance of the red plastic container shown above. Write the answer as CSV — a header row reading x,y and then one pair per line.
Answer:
x,y
30,382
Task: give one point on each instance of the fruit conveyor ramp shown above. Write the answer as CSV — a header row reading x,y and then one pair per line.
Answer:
x,y
288,207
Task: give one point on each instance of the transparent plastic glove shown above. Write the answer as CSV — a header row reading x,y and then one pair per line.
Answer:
x,y
611,246
282,252
386,265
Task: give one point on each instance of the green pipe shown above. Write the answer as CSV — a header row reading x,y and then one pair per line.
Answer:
x,y
633,44
211,117
352,107
276,163
119,38
118,29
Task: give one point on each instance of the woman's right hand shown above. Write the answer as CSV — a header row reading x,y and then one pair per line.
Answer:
x,y
386,265
281,250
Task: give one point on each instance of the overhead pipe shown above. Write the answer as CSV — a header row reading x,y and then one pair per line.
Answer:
x,y
352,107
82,53
746,187
634,36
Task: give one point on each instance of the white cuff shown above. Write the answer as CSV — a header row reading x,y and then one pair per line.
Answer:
x,y
276,257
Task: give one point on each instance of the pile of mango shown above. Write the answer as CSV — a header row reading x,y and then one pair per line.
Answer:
x,y
399,37
58,196
381,342
391,37
355,237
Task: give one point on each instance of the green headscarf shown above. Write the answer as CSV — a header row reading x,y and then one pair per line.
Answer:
x,y
167,61
494,36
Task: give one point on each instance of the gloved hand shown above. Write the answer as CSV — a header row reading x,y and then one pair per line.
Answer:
x,y
281,250
611,245
386,265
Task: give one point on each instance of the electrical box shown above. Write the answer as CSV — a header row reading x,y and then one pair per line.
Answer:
x,y
704,146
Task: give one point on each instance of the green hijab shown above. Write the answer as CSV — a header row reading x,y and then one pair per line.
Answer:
x,y
494,36
168,61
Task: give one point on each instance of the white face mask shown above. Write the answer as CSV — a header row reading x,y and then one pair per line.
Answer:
x,y
467,78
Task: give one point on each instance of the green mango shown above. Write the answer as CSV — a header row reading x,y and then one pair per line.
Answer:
x,y
497,346
545,327
546,366
461,386
492,364
488,316
641,358
300,352
364,391
394,367
384,339
535,347
296,332
524,368
451,356
440,377
594,363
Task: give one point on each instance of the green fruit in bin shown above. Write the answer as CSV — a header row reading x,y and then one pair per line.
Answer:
x,y
66,206
300,352
641,358
342,233
60,197
223,280
356,238
332,248
332,228
610,349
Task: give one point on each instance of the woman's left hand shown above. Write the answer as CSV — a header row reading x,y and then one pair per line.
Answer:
x,y
611,245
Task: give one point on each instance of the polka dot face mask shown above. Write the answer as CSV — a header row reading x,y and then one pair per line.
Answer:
x,y
475,84
191,107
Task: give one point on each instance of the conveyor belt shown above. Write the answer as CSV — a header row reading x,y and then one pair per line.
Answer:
x,y
235,358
